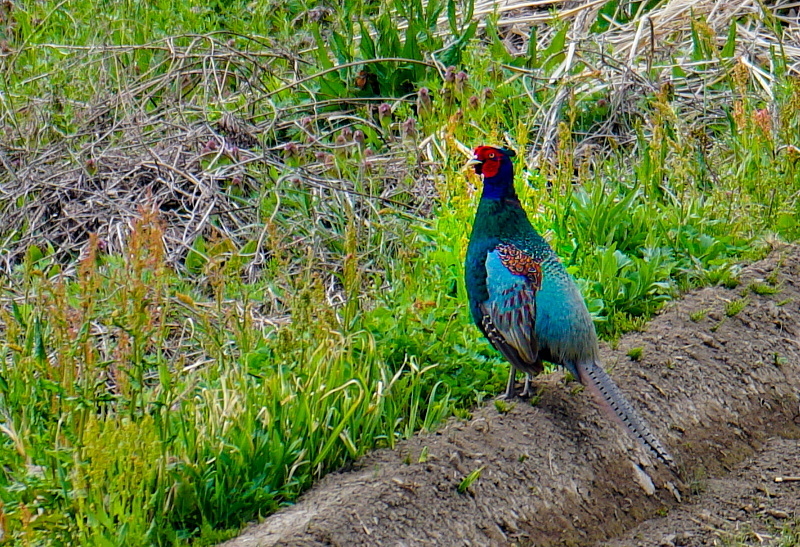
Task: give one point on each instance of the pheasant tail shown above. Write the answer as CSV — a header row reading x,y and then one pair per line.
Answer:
x,y
605,390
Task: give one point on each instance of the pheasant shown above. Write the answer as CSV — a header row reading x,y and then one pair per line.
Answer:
x,y
527,305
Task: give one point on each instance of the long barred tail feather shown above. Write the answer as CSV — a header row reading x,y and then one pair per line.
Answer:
x,y
603,387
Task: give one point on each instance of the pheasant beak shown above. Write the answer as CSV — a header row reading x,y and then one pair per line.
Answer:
x,y
475,163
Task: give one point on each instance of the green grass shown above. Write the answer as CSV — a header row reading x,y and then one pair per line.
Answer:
x,y
467,482
150,395
698,315
733,307
763,288
635,354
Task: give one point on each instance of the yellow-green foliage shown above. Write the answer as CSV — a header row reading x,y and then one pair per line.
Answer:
x,y
164,396
119,468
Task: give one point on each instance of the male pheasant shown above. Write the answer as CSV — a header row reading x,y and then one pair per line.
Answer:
x,y
526,304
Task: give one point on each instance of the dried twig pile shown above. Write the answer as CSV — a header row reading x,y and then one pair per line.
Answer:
x,y
151,144
680,46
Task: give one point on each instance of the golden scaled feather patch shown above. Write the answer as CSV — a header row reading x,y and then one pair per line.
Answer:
x,y
520,263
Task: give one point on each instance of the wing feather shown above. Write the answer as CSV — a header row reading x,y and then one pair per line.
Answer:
x,y
509,314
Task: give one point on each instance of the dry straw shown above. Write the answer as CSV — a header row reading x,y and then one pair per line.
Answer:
x,y
147,145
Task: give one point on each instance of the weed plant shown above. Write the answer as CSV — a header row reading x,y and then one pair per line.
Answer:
x,y
155,393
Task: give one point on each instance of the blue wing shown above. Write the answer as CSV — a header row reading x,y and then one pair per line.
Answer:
x,y
509,314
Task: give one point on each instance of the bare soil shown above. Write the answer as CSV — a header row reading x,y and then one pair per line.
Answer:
x,y
720,391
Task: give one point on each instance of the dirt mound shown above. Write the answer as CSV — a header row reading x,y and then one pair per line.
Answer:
x,y
714,384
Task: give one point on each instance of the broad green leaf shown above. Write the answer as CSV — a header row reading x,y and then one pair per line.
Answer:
x,y
196,258
533,49
341,49
322,49
367,44
554,53
730,44
34,254
452,55
451,16
411,48
469,11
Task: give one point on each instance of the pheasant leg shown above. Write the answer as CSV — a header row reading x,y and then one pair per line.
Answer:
x,y
527,392
511,391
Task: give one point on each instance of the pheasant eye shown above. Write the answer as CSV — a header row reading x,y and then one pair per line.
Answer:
x,y
491,156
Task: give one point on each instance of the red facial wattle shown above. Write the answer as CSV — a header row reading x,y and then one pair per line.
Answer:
x,y
489,158
490,167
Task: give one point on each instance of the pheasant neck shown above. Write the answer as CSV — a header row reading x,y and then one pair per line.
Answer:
x,y
501,185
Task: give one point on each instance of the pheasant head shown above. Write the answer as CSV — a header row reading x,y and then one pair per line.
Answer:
x,y
498,172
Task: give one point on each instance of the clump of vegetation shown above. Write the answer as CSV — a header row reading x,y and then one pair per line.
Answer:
x,y
503,406
466,483
228,268
698,315
733,307
635,354
764,288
